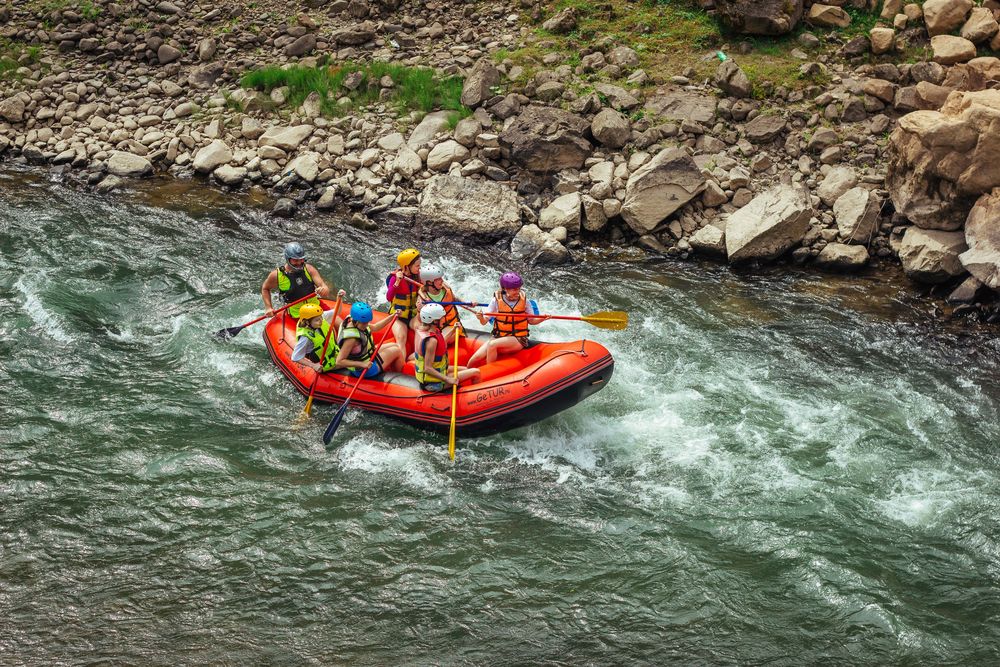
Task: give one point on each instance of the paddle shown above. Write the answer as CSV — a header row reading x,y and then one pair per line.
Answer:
x,y
335,422
462,303
615,320
232,332
304,415
454,398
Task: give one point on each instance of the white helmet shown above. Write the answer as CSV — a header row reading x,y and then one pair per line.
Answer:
x,y
431,312
430,273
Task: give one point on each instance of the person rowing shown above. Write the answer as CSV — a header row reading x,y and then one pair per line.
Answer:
x,y
312,333
510,334
401,293
294,280
356,347
431,353
436,290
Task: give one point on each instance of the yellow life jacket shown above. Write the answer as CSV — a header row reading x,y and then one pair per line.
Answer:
x,y
405,300
348,330
318,336
294,285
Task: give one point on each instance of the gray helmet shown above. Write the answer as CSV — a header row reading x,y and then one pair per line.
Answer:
x,y
294,251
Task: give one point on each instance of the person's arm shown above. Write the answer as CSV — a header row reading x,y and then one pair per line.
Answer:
x,y
345,351
382,324
302,348
492,308
270,284
393,284
430,348
533,309
322,289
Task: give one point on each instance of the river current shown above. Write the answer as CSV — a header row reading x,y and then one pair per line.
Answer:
x,y
786,468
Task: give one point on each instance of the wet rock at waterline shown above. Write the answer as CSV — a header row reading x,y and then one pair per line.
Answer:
x,y
535,245
982,235
841,257
771,224
931,255
127,164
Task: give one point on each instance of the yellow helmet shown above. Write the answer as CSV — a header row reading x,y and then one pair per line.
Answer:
x,y
309,311
407,257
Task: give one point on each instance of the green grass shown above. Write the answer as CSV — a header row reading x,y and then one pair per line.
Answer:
x,y
416,88
14,55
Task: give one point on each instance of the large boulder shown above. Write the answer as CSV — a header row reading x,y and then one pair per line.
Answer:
x,y
287,138
479,82
445,153
470,208
982,234
828,16
838,181
856,212
306,166
760,17
949,50
212,156
12,109
941,162
944,16
732,80
931,255
770,225
681,105
658,188
981,26
546,140
429,126
710,240
128,164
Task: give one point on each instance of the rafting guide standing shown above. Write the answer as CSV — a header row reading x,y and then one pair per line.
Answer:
x,y
294,280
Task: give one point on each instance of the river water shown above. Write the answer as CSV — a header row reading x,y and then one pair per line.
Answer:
x,y
786,469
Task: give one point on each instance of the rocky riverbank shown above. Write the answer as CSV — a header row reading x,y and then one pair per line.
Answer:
x,y
870,145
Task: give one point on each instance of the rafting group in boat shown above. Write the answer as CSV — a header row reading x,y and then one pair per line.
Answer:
x,y
419,299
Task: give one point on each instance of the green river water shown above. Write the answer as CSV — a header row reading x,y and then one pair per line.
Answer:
x,y
785,469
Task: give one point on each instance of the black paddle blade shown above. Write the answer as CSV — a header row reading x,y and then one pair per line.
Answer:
x,y
334,424
226,334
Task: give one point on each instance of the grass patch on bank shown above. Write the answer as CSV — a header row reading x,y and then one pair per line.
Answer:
x,y
414,88
14,55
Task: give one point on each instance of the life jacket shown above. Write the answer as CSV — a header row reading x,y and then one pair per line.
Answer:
x,y
440,361
294,285
348,330
318,336
405,300
450,312
510,326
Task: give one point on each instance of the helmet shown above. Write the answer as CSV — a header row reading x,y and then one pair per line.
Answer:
x,y
361,312
429,273
309,311
407,257
432,312
294,251
510,280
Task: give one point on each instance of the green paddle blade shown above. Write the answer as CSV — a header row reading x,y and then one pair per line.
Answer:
x,y
615,320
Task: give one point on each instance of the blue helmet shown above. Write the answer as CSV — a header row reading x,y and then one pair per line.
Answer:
x,y
361,312
294,251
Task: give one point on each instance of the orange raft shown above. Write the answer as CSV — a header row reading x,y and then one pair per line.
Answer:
x,y
516,390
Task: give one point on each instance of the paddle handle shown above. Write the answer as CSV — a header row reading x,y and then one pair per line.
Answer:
x,y
282,309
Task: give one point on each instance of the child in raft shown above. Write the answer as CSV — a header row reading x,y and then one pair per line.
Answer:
x,y
356,347
436,290
510,334
431,353
312,332
401,293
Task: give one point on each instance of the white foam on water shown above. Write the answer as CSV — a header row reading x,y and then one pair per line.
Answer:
x,y
922,497
187,462
126,336
44,318
411,465
223,363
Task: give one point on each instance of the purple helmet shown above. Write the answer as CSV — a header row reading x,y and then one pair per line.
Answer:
x,y
510,280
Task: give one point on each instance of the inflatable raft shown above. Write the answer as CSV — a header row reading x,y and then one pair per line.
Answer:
x,y
516,390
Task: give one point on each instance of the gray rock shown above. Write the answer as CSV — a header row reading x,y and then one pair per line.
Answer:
x,y
563,212
479,83
328,200
12,109
167,54
206,49
660,187
710,240
732,80
982,234
532,244
445,154
430,126
624,57
611,128
306,166
301,46
212,156
682,105
128,164
842,257
770,225
109,183
932,255
595,218
284,208
857,212
481,209
407,162
765,128
228,175
760,17
547,140
838,181
284,137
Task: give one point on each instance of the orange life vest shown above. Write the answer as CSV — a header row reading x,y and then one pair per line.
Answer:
x,y
510,326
